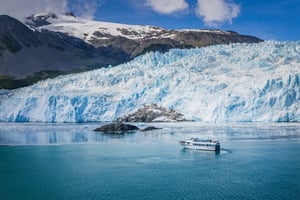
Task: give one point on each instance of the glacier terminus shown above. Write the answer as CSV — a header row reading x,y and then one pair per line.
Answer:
x,y
218,84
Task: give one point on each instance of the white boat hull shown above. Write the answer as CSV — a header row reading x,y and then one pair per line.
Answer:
x,y
205,145
201,148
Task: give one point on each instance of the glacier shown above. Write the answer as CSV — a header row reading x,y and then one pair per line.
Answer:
x,y
217,84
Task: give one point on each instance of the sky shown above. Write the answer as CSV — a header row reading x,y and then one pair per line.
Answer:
x,y
266,19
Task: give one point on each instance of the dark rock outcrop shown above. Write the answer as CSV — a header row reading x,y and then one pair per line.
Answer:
x,y
120,128
116,128
151,113
150,128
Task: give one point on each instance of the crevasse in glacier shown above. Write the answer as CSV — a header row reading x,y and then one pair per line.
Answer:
x,y
224,83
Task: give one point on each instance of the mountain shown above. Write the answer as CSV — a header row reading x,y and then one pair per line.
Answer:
x,y
133,39
30,54
52,44
222,83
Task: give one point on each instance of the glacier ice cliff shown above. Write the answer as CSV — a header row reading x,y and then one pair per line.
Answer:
x,y
223,83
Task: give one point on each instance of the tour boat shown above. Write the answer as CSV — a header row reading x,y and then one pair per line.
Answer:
x,y
201,144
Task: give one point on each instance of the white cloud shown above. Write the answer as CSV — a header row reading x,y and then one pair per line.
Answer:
x,y
84,8
167,6
215,12
21,9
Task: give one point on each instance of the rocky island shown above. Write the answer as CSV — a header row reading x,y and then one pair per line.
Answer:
x,y
116,127
120,128
153,113
148,113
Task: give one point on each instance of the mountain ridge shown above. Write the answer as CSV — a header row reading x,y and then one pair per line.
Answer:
x,y
133,39
53,44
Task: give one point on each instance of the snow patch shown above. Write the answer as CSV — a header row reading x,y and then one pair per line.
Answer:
x,y
84,28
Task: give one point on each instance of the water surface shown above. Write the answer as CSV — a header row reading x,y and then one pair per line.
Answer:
x,y
70,161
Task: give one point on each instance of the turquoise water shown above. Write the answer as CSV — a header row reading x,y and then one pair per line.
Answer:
x,y
70,161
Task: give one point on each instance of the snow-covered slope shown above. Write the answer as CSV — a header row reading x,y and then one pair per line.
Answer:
x,y
101,34
225,83
85,29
